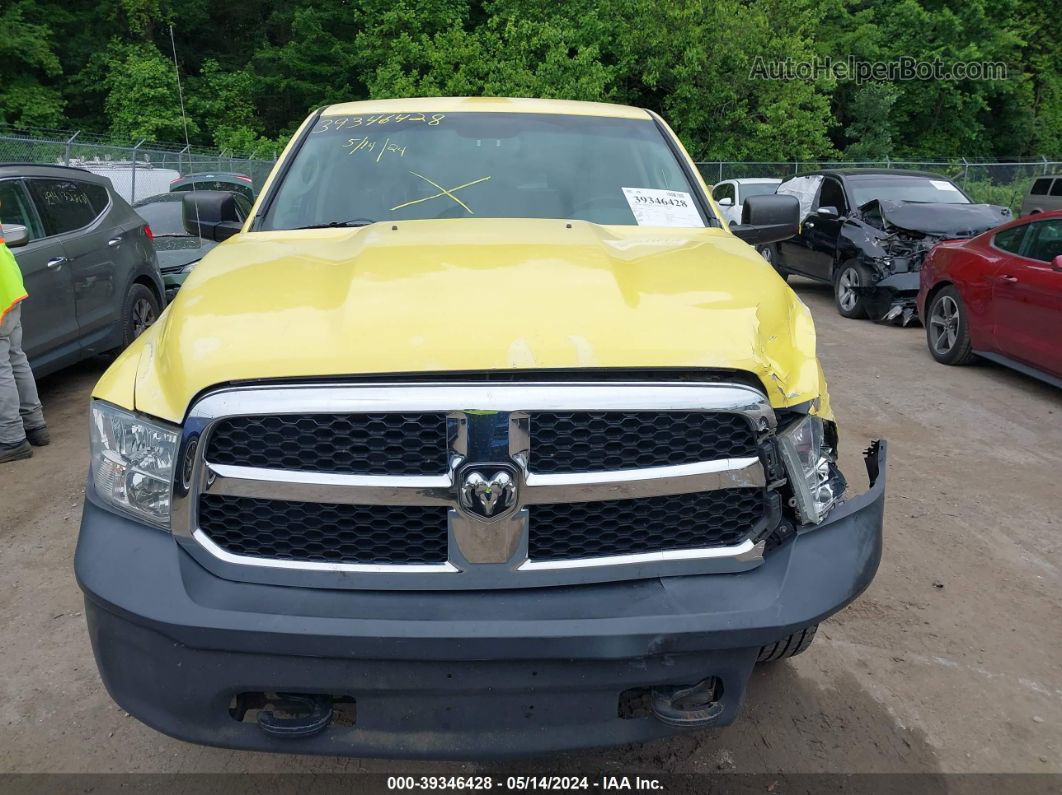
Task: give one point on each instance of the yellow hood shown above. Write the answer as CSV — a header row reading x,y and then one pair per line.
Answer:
x,y
473,294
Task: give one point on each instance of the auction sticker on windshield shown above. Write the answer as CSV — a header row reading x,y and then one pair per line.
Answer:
x,y
654,207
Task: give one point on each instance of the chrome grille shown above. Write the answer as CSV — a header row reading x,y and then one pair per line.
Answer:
x,y
364,444
701,520
321,532
591,441
316,485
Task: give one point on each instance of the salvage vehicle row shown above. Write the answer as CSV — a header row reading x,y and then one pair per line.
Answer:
x,y
867,231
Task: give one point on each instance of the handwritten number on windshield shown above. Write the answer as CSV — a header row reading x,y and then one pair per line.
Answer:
x,y
336,123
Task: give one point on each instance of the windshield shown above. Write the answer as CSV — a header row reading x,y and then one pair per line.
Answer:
x,y
757,189
904,188
164,217
408,166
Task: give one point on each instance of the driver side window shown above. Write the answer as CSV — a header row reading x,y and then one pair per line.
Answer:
x,y
832,195
15,208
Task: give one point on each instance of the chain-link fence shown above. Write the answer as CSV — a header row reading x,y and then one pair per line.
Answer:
x,y
140,169
1004,183
136,169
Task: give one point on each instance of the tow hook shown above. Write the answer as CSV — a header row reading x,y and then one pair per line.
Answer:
x,y
689,706
310,715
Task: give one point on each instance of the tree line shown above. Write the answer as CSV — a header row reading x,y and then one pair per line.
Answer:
x,y
251,70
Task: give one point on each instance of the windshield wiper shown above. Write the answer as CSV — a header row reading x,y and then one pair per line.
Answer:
x,y
339,224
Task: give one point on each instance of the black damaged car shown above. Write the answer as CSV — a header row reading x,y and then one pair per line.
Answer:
x,y
866,232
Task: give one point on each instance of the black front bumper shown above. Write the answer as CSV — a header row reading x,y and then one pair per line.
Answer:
x,y
893,298
448,674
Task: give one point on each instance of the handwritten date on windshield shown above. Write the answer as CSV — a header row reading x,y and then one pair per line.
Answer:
x,y
374,147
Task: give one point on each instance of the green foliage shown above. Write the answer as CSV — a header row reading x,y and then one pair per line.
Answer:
x,y
252,70
28,62
1010,194
872,130
506,57
142,99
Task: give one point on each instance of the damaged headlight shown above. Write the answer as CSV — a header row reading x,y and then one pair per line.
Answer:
x,y
817,483
132,462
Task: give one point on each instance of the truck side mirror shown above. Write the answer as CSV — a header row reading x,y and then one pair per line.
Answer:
x,y
14,235
211,214
726,201
768,218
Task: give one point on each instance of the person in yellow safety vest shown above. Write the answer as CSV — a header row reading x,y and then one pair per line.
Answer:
x,y
21,418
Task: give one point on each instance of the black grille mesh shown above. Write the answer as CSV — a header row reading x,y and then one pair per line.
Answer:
x,y
589,441
320,532
648,524
353,444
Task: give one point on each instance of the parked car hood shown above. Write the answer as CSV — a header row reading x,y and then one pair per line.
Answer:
x,y
176,252
942,220
473,295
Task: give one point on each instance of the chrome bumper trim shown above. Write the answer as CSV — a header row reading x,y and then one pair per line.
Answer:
x,y
279,484
627,484
349,568
745,551
284,484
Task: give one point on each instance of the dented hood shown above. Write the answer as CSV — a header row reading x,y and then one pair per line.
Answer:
x,y
942,220
437,296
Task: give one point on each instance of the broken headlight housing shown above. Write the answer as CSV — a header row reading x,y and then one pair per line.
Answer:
x,y
132,462
817,483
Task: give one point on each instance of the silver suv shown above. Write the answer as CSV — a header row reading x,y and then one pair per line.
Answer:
x,y
1044,195
86,259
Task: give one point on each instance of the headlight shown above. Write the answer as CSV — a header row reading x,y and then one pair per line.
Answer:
x,y
188,268
132,462
817,483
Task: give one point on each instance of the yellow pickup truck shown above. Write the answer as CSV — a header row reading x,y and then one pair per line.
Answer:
x,y
482,435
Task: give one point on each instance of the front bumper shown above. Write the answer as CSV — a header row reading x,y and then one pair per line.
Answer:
x,y
448,674
893,298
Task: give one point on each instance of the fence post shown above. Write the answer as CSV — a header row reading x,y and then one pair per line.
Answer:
x,y
69,141
132,176
180,159
1044,158
965,171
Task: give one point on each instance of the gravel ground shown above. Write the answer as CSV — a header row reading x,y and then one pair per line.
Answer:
x,y
950,662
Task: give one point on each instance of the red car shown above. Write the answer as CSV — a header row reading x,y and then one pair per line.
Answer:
x,y
998,295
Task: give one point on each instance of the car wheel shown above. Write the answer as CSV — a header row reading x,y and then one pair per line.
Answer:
x,y
771,256
947,332
848,279
788,647
141,310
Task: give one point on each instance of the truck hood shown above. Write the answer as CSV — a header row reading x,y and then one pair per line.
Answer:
x,y
471,295
942,220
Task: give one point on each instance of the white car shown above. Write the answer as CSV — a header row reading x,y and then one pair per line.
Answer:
x,y
730,194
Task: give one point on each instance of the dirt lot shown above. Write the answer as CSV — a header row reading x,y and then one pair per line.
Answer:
x,y
952,661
